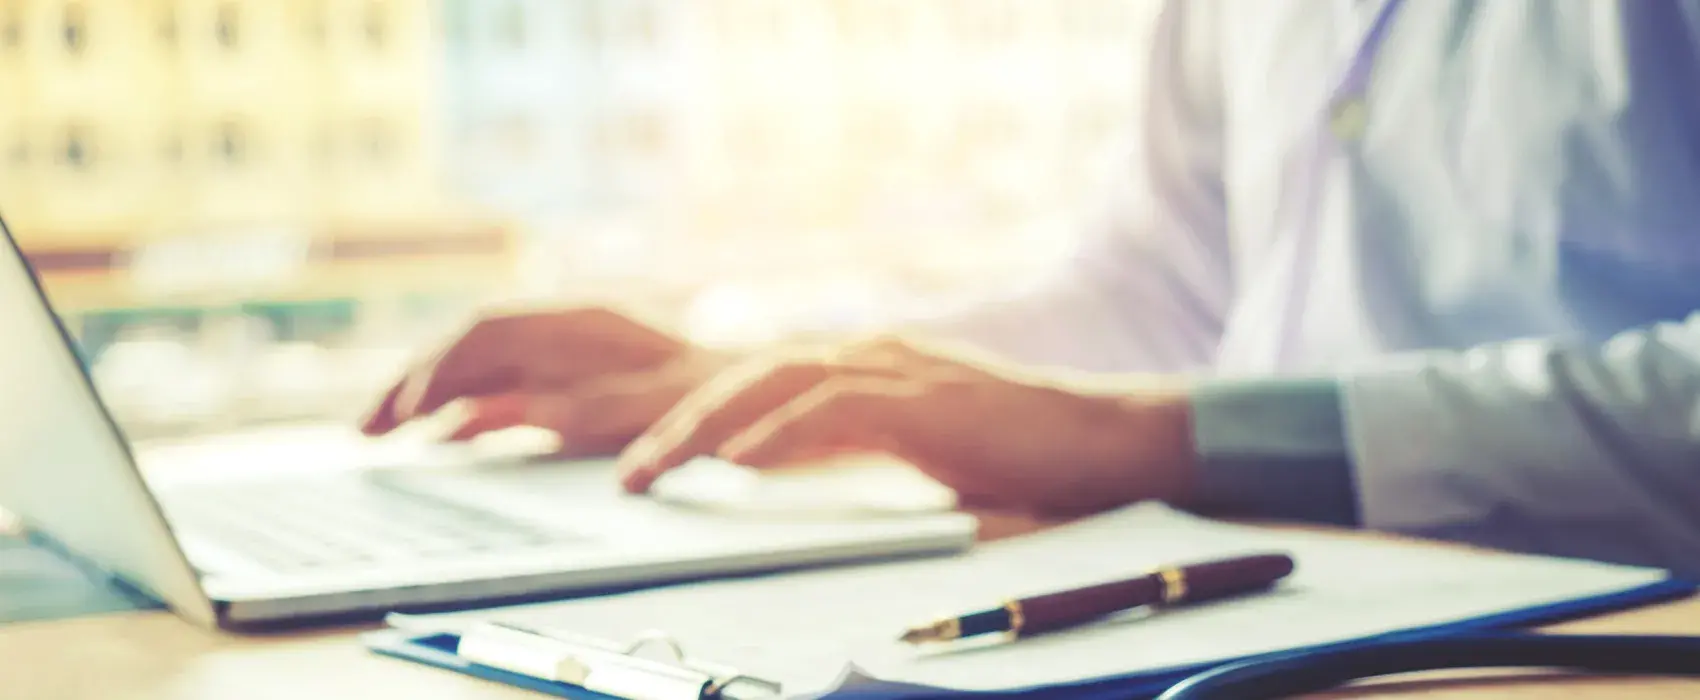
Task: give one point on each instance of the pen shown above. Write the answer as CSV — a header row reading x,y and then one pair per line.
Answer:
x,y
1167,586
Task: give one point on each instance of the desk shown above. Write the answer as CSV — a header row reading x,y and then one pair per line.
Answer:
x,y
153,656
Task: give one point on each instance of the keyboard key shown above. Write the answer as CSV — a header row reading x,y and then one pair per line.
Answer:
x,y
308,524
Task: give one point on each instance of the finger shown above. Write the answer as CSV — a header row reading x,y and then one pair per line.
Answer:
x,y
808,455
859,418
836,417
887,350
479,362
717,411
514,352
487,414
730,385
975,496
750,385
597,417
602,416
382,418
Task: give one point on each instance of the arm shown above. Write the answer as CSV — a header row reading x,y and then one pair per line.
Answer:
x,y
1529,445
1149,288
1538,446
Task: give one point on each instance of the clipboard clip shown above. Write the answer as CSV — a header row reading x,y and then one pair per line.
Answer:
x,y
607,668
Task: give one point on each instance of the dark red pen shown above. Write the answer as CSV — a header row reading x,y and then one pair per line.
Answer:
x,y
1167,586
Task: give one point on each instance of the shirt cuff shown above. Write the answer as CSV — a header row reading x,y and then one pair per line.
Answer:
x,y
1273,448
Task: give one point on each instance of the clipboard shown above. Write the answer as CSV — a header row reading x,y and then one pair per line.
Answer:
x,y
568,665
532,663
1472,593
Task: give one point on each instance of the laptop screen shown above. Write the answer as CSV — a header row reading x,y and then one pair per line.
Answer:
x,y
65,470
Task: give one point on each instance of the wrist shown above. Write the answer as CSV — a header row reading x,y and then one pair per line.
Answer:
x,y
1165,458
1150,433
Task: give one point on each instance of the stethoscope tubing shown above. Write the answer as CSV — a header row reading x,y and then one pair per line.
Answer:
x,y
1310,672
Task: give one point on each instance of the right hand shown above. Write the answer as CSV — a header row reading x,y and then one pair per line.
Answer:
x,y
595,377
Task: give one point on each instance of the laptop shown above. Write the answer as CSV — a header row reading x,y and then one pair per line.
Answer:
x,y
240,550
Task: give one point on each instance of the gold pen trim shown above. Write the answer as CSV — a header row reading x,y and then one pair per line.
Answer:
x,y
942,630
1174,585
1017,617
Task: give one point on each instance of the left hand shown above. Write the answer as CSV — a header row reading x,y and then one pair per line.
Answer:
x,y
997,438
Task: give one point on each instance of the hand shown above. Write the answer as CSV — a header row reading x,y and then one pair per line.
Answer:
x,y
997,438
594,376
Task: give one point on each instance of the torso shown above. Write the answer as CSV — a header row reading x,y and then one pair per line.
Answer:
x,y
1527,168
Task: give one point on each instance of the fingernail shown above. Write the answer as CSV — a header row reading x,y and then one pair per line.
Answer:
x,y
734,454
635,482
638,454
372,423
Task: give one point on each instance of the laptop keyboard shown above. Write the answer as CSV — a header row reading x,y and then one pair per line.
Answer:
x,y
307,524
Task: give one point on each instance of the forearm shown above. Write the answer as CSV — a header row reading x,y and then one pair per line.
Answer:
x,y
1541,446
1533,445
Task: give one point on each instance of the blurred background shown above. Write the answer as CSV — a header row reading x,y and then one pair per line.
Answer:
x,y
257,210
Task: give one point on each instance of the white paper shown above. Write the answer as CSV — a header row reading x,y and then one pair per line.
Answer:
x,y
803,629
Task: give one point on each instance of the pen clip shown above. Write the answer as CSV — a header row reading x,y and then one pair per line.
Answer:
x,y
606,668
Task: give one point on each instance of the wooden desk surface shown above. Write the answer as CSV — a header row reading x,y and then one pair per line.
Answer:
x,y
153,656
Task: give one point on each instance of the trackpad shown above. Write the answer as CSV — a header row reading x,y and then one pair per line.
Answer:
x,y
859,486
515,463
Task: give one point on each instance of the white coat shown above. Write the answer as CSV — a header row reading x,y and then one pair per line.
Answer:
x,y
1493,244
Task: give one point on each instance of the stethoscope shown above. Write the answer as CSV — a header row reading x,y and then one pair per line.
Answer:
x,y
1298,673
1343,122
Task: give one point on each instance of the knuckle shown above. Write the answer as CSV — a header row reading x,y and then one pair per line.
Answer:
x,y
946,393
497,316
472,328
850,397
490,325
797,371
504,319
945,386
883,343
593,313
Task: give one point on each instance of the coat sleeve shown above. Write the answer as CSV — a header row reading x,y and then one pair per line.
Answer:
x,y
1149,286
1538,446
